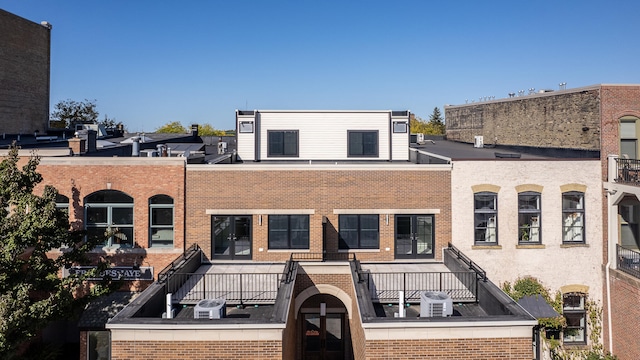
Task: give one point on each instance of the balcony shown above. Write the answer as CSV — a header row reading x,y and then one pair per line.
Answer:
x,y
628,260
627,172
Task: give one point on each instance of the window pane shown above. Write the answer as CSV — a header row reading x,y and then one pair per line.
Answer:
x,y
290,143
485,201
399,127
246,126
528,202
355,143
161,199
276,143
109,196
370,143
123,236
98,345
573,227
96,215
98,233
122,216
572,201
629,148
573,302
627,129
348,227
299,231
161,237
278,232
162,216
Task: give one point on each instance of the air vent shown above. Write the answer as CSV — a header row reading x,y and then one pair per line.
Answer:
x,y
435,304
478,141
210,309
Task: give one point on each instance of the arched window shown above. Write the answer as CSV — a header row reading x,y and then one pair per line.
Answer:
x,y
62,202
109,216
629,137
160,221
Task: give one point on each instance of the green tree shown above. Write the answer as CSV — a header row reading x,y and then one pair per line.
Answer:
x,y
174,127
110,123
31,292
417,125
437,122
208,130
70,112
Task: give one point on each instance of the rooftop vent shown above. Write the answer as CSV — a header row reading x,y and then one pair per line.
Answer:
x,y
210,309
435,304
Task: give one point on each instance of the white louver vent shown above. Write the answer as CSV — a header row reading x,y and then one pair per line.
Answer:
x,y
435,304
210,309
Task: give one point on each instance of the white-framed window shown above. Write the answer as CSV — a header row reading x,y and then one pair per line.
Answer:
x,y
359,231
288,231
529,218
246,127
400,127
574,311
573,217
109,217
485,218
160,221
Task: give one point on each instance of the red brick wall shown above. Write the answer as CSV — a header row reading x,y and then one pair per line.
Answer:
x,y
625,315
489,348
196,350
140,181
322,191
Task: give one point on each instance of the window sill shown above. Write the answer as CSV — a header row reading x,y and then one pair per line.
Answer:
x,y
569,245
486,247
288,250
358,250
530,246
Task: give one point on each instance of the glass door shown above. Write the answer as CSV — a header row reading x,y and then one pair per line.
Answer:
x,y
323,337
414,236
231,237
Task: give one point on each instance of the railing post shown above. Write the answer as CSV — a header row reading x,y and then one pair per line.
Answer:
x,y
241,297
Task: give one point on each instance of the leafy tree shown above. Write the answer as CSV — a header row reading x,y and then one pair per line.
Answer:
x,y
174,127
110,123
31,292
208,130
71,112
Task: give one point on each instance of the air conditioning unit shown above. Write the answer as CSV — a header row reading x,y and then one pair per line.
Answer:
x,y
478,141
210,309
435,304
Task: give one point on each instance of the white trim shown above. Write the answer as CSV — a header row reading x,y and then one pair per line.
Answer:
x,y
448,330
197,332
386,211
343,165
260,211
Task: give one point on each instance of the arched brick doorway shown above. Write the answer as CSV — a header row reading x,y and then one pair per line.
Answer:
x,y
323,329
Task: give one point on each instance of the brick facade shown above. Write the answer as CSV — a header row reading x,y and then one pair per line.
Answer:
x,y
481,348
24,70
196,350
567,119
625,298
320,190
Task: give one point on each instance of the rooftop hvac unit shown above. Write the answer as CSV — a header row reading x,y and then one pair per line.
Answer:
x,y
478,141
210,309
435,304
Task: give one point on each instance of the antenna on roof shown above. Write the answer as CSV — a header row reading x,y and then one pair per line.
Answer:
x,y
563,85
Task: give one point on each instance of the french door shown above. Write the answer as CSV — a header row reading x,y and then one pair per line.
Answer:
x,y
323,337
231,237
414,236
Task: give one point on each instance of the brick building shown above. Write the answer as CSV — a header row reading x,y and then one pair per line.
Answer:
x,y
24,75
602,120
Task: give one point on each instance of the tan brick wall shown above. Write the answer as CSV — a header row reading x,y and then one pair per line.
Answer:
x,y
540,120
323,191
625,315
24,70
489,348
196,350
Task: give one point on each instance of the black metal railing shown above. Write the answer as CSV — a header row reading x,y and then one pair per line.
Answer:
x,y
385,287
628,260
168,270
472,265
237,288
628,171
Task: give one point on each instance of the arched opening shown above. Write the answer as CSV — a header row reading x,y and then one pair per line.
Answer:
x,y
109,218
323,329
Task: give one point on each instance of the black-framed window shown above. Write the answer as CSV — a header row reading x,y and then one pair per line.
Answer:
x,y
62,202
574,311
362,143
359,231
109,217
160,221
573,217
529,219
400,127
288,231
485,218
282,143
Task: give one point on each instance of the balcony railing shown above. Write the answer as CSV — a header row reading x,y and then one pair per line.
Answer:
x,y
628,260
628,171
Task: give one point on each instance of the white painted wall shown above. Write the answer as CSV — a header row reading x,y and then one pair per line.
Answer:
x,y
554,265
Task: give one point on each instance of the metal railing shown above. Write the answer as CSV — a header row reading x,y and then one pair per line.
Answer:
x,y
628,171
168,270
385,287
628,260
238,288
465,259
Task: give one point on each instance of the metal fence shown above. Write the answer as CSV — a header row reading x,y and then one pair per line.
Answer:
x,y
242,289
385,287
628,171
628,260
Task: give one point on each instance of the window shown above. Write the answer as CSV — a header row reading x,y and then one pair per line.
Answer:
x,y
359,231
486,218
628,137
288,231
573,217
399,127
529,217
573,309
363,143
282,143
109,217
99,345
160,221
246,126
62,202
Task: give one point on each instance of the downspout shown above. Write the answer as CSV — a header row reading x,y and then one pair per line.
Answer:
x,y
611,165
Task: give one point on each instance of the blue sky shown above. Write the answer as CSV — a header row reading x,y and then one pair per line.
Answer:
x,y
148,63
